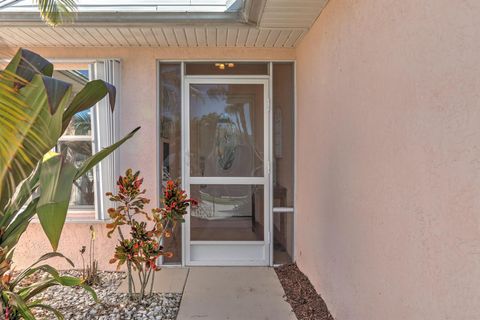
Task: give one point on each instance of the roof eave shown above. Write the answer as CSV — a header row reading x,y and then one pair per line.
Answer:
x,y
128,18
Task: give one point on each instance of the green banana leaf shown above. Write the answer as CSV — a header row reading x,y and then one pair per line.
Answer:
x,y
99,156
91,94
26,64
15,229
56,181
46,99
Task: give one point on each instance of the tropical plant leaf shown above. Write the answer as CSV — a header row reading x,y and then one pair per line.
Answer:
x,y
91,94
55,12
28,271
91,291
37,136
56,180
21,306
14,230
29,292
26,64
23,192
99,156
48,308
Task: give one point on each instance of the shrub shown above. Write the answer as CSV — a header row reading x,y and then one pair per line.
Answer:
x,y
142,249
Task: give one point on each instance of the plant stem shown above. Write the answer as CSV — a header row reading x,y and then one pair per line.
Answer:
x,y
151,284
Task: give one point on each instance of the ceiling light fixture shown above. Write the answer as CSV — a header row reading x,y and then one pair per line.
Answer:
x,y
224,65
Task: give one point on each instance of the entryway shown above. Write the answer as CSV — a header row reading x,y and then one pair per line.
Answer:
x,y
226,168
226,130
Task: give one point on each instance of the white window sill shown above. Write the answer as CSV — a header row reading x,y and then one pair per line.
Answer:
x,y
72,219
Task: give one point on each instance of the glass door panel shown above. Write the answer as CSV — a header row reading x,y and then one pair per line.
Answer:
x,y
227,213
226,130
225,170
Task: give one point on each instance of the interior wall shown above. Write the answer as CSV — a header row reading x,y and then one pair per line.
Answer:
x,y
138,106
388,197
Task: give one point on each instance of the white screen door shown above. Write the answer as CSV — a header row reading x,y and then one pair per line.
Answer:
x,y
226,168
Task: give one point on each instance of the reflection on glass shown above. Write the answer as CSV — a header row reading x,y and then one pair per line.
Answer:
x,y
83,188
282,237
170,142
80,125
283,134
226,130
78,147
227,213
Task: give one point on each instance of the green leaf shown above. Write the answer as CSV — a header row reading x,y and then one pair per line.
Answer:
x,y
26,64
57,89
20,305
91,94
27,293
15,230
99,156
91,291
56,180
30,270
35,137
57,313
23,192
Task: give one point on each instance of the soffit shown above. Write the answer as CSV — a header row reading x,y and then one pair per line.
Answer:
x,y
257,23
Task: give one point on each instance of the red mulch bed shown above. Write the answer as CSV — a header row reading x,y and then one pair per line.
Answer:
x,y
300,293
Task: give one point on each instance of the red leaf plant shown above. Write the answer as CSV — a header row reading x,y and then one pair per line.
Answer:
x,y
142,249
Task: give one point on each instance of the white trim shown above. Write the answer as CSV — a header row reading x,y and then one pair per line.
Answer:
x,y
159,162
183,125
228,180
262,246
295,144
232,77
283,209
270,152
221,243
68,138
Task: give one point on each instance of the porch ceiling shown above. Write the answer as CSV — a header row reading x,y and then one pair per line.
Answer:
x,y
259,23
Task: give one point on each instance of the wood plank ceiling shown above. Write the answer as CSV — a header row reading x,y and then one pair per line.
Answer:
x,y
281,24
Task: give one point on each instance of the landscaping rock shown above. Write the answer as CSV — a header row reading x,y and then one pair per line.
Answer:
x,y
75,303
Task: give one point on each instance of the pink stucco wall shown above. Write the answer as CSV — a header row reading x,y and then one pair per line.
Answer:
x,y
138,107
388,197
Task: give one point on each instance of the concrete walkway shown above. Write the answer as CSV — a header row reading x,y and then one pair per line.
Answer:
x,y
224,293
233,293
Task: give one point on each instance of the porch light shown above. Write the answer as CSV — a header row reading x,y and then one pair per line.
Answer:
x,y
222,66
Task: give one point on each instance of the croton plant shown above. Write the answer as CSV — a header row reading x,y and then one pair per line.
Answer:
x,y
142,249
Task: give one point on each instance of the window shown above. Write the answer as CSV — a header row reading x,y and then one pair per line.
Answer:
x,y
283,161
88,132
76,144
171,143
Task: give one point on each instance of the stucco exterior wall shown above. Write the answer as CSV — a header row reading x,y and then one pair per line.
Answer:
x,y
138,95
388,198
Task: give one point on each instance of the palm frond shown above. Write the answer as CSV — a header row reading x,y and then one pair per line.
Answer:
x,y
55,12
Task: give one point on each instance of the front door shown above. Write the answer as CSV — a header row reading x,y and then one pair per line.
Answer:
x,y
226,169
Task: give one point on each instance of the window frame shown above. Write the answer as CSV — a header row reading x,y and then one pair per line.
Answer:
x,y
107,69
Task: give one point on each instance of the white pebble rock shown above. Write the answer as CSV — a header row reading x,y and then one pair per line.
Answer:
x,y
77,304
